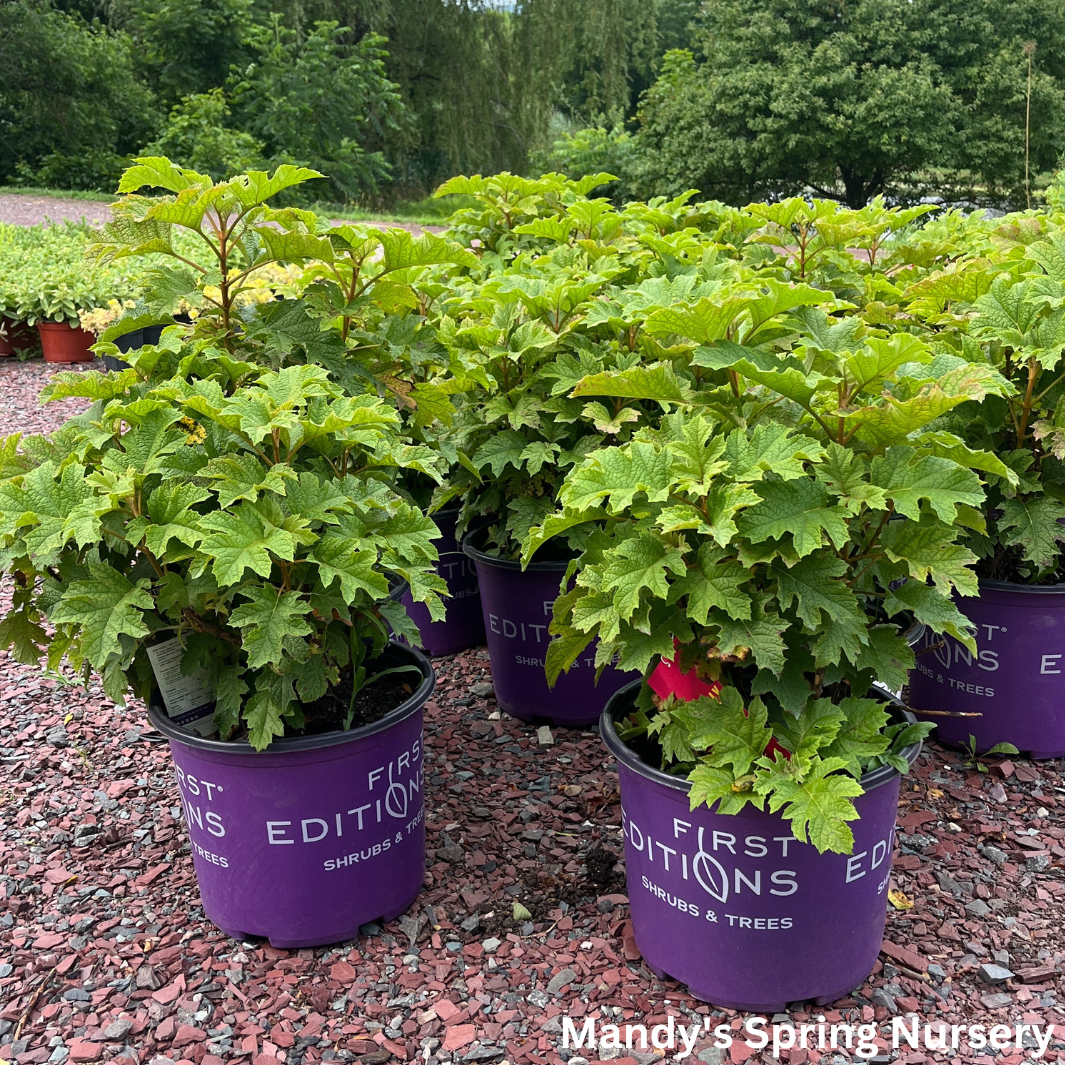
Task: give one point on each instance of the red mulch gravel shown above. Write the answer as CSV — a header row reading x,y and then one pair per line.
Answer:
x,y
20,385
105,954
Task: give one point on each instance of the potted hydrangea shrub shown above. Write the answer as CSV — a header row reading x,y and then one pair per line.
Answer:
x,y
598,297
297,288
219,538
381,291
520,340
1008,686
744,558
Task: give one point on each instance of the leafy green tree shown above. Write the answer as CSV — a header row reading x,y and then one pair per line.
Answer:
x,y
324,102
856,99
188,46
71,106
673,22
196,136
596,52
580,152
988,71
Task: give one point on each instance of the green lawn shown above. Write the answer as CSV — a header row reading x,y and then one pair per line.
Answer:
x,y
427,212
59,194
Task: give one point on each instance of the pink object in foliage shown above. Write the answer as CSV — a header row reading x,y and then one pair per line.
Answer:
x,y
669,679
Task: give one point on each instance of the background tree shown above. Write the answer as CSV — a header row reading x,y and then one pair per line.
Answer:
x,y
187,46
322,102
197,135
848,99
483,84
71,105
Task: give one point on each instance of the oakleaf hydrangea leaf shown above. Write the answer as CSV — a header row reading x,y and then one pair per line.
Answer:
x,y
861,734
1034,525
797,507
710,785
715,583
618,474
771,448
106,607
266,620
929,551
240,540
907,479
643,562
817,803
814,585
731,734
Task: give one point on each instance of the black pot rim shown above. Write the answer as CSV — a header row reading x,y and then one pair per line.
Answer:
x,y
879,776
1032,589
295,744
485,559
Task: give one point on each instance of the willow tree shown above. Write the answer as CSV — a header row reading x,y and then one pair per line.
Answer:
x,y
483,79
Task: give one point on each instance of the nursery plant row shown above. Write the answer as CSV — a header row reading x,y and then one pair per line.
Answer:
x,y
768,492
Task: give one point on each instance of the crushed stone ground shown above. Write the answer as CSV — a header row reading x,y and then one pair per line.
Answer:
x,y
105,954
23,209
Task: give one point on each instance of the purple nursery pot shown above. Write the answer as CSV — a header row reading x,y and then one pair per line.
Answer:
x,y
1016,679
464,624
304,842
736,908
517,607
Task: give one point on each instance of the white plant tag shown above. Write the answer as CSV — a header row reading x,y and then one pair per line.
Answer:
x,y
189,701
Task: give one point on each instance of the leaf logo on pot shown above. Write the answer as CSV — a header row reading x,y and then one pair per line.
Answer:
x,y
396,808
701,866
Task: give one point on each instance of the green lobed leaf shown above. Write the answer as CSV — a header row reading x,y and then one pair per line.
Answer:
x,y
731,734
930,551
242,539
817,803
909,478
266,620
104,609
1034,525
637,564
798,507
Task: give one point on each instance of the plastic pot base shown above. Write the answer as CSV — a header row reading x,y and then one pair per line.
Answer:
x,y
755,1007
61,343
463,624
308,840
517,607
281,943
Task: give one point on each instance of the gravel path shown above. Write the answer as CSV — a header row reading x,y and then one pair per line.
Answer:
x,y
105,953
25,210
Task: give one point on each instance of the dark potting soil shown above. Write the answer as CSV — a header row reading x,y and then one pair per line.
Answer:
x,y
601,862
543,892
1007,565
376,699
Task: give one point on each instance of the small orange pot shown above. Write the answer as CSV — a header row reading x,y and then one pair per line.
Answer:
x,y
63,343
